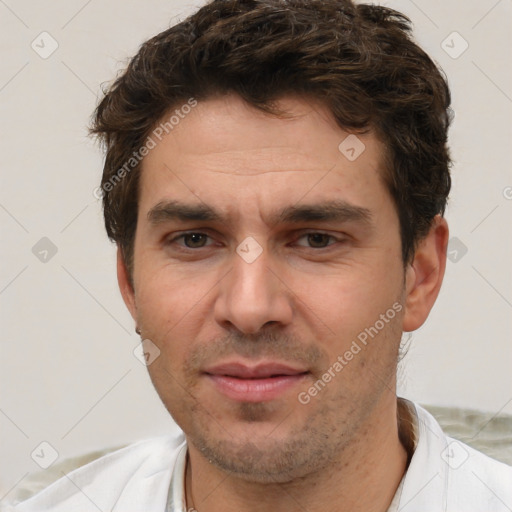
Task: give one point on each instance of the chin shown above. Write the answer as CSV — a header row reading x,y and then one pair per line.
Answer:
x,y
263,460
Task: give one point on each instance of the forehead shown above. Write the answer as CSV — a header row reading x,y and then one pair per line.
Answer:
x,y
224,148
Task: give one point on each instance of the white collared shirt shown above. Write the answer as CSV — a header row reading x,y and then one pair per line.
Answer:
x,y
444,475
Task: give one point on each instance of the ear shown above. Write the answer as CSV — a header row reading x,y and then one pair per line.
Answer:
x,y
125,284
424,275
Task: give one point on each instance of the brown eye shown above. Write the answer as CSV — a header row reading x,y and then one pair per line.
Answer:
x,y
194,240
316,240
191,240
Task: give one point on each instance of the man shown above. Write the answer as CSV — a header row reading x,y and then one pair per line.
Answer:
x,y
275,178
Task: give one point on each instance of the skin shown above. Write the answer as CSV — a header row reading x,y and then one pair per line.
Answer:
x,y
303,301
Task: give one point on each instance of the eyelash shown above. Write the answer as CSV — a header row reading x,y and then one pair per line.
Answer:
x,y
332,239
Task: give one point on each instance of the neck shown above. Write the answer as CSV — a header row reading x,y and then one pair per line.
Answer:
x,y
362,478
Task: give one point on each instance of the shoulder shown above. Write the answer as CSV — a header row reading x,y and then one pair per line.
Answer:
x,y
135,477
476,480
454,474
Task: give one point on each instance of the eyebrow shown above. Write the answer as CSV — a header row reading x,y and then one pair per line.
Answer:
x,y
330,211
175,210
327,211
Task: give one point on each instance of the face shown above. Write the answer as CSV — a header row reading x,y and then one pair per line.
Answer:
x,y
268,272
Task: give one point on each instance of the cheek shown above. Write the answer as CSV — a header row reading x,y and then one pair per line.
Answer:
x,y
173,309
164,308
347,299
165,292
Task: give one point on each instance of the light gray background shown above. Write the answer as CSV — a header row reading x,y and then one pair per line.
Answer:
x,y
68,373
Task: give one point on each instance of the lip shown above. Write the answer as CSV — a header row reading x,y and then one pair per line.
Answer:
x,y
259,383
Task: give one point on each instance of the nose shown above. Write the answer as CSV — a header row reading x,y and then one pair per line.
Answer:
x,y
251,296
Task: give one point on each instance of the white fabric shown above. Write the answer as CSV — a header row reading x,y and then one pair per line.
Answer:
x,y
394,507
444,476
176,501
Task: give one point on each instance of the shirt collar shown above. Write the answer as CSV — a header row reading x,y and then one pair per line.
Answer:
x,y
176,499
425,484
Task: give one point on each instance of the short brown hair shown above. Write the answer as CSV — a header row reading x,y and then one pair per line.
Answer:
x,y
359,60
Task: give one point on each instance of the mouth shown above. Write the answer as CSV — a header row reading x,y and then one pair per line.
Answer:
x,y
259,383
